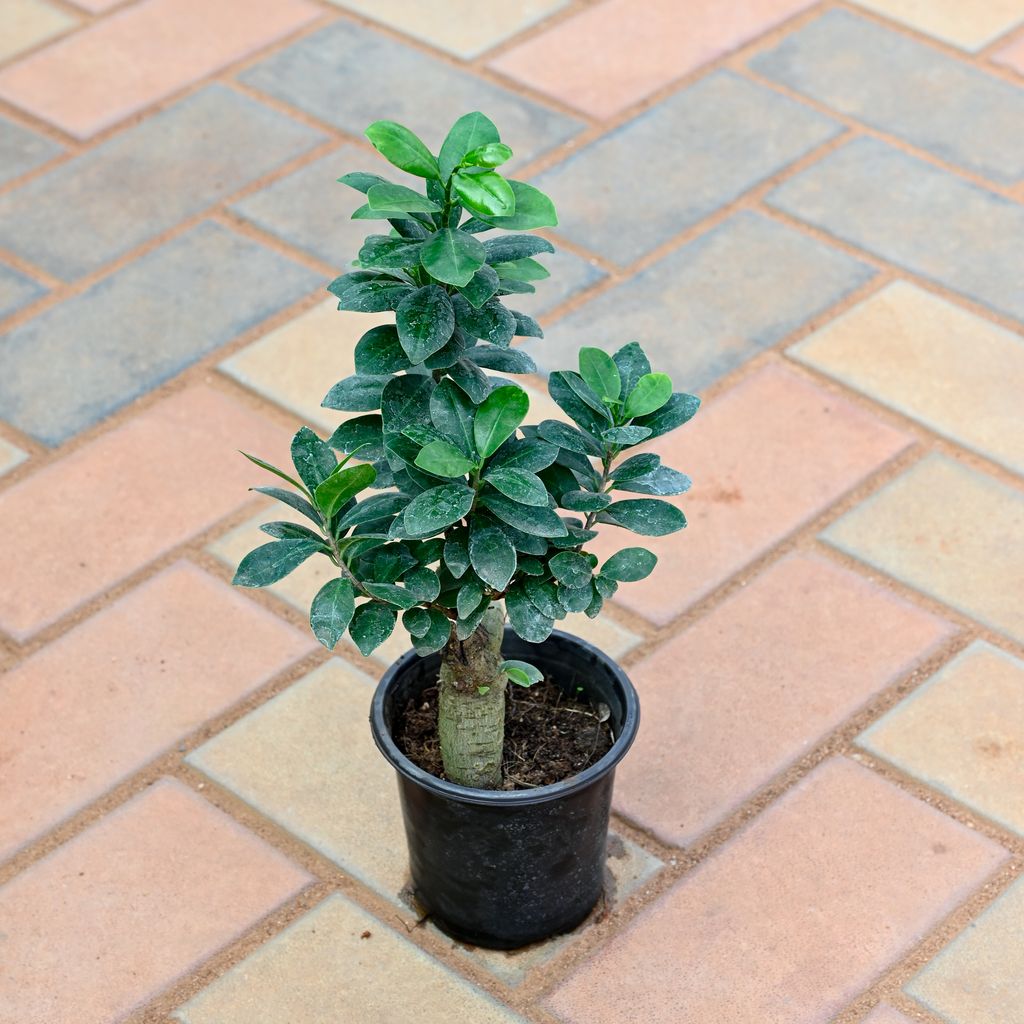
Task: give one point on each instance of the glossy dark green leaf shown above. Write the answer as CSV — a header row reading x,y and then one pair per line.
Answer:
x,y
387,253
416,621
571,438
280,473
526,618
437,508
632,364
405,400
498,417
661,482
368,292
399,199
402,148
271,562
571,568
576,599
371,625
598,369
526,326
452,256
674,413
519,485
492,556
504,360
471,379
359,393
471,131
584,501
508,248
425,321
566,398
492,322
362,433
524,453
625,436
451,413
376,506
646,516
341,485
544,594
533,209
652,391
292,500
586,394
596,603
529,519
442,458
282,529
450,353
386,564
379,352
636,466
456,552
471,593
436,636
331,611
361,181
630,565
604,586
573,538
391,593
314,459
482,286
490,154
531,567
524,543
486,192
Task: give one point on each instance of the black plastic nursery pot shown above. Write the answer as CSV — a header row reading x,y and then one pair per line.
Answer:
x,y
502,869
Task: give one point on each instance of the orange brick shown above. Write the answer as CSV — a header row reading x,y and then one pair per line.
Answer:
x,y
793,918
139,55
85,712
117,914
765,457
84,522
757,683
615,53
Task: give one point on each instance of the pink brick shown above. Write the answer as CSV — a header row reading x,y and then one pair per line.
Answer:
x,y
765,457
124,909
86,521
756,684
885,1014
613,54
139,55
794,917
1013,55
82,714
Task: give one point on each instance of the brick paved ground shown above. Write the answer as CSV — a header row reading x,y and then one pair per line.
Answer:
x,y
812,213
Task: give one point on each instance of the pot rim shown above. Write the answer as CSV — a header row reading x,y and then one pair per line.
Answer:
x,y
516,797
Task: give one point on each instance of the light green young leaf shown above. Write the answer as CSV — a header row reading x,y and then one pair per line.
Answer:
x,y
598,369
470,132
498,417
485,193
491,154
522,673
402,148
652,391
442,458
400,199
342,485
533,209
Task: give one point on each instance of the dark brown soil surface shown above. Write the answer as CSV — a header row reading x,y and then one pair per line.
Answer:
x,y
548,736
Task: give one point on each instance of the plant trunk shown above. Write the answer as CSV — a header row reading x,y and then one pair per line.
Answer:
x,y
471,723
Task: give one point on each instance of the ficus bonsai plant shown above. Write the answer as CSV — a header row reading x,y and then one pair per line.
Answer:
x,y
445,508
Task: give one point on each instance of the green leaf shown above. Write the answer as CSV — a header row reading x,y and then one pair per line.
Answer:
x,y
524,453
536,522
571,438
361,181
630,565
416,621
567,399
292,500
486,193
576,599
437,508
342,485
331,611
604,586
584,501
509,248
625,436
519,485
522,673
482,286
387,253
504,360
471,379
399,199
371,625
391,593
586,394
272,562
652,391
491,322
533,209
376,506
360,432
571,568
359,393
402,148
598,369
451,412
662,481
523,270
498,417
314,459
470,132
456,552
636,466
490,154
531,567
526,618
452,256
526,326
632,364
508,286
368,292
674,413
544,594
471,593
405,400
425,321
646,516
379,352
436,636
284,530
273,469
596,603
442,458
492,556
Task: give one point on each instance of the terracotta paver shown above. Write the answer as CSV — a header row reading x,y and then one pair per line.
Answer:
x,y
28,23
969,26
955,372
340,957
654,42
141,54
151,483
1013,55
755,684
963,733
765,456
979,977
118,913
959,550
792,919
87,711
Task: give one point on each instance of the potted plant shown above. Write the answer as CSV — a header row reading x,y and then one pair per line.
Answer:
x,y
474,516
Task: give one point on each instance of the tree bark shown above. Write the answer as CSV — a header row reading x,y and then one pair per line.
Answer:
x,y
471,723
